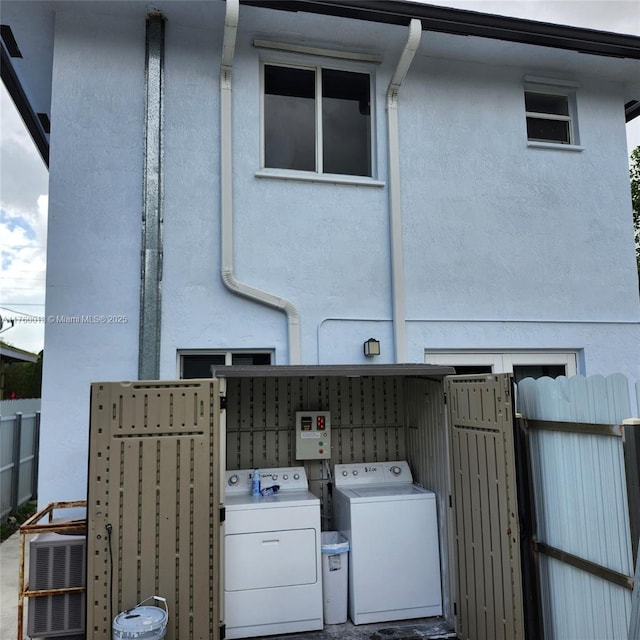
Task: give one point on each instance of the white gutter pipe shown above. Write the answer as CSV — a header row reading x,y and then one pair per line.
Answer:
x,y
226,192
395,204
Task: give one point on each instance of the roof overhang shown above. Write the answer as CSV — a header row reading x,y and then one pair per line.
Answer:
x,y
468,23
334,370
13,354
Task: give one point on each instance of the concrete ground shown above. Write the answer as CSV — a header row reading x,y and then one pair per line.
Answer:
x,y
431,628
9,564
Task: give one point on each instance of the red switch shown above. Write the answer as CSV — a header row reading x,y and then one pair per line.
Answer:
x,y
320,423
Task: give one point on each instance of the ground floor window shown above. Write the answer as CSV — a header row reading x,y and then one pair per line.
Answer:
x,y
199,363
523,364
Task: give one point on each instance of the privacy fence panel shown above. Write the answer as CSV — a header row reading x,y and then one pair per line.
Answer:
x,y
19,439
583,466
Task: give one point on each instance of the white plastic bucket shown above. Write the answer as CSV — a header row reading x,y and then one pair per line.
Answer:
x,y
142,623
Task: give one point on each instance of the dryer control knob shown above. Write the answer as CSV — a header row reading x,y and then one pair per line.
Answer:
x,y
396,470
274,476
285,477
233,480
345,473
296,476
355,472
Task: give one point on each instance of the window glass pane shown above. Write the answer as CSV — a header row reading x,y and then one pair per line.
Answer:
x,y
546,103
538,371
289,118
346,123
250,358
199,366
471,369
546,130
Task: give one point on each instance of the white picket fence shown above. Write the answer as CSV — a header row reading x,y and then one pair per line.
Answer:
x,y
583,477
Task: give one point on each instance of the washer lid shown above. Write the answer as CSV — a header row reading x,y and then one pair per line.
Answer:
x,y
387,493
278,501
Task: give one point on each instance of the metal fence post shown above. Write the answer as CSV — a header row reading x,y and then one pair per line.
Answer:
x,y
36,457
15,470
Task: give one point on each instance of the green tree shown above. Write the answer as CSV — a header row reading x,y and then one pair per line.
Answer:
x,y
634,174
24,379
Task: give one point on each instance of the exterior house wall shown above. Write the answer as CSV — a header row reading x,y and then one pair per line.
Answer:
x,y
506,246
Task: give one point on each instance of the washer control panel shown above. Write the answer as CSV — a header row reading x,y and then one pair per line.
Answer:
x,y
287,478
363,473
313,435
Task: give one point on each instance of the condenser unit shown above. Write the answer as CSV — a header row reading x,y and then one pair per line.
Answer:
x,y
56,562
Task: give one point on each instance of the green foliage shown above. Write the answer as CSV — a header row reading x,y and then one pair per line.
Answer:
x,y
634,175
24,379
14,520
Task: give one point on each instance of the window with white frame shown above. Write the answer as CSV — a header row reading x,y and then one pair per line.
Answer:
x,y
317,119
551,113
523,364
199,363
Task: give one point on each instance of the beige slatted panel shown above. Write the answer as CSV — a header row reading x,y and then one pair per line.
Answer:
x,y
154,476
485,525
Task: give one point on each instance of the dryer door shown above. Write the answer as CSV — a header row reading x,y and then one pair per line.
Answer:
x,y
269,559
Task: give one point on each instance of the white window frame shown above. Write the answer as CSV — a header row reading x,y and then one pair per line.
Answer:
x,y
340,61
503,361
564,88
227,353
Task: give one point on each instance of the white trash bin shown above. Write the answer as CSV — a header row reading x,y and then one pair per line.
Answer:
x,y
335,576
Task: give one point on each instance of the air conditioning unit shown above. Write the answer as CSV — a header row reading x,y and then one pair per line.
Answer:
x,y
56,561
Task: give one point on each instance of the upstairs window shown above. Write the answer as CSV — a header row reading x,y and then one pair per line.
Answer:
x,y
550,114
317,120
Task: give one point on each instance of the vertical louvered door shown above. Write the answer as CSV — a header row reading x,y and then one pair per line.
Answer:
x,y
484,510
153,504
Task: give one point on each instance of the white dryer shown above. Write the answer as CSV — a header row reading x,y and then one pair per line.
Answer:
x,y
391,524
273,566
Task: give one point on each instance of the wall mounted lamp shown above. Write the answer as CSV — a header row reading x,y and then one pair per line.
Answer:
x,y
372,347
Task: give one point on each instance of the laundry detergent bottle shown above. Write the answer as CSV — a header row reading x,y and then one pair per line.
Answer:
x,y
255,483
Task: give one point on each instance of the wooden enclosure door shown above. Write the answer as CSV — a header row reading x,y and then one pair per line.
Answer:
x,y
484,511
153,508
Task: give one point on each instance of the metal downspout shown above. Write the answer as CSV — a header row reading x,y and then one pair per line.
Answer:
x,y
395,204
152,207
226,192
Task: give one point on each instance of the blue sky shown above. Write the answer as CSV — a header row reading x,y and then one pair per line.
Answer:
x,y
24,178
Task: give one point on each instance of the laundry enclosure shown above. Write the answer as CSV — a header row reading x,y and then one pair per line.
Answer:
x,y
159,451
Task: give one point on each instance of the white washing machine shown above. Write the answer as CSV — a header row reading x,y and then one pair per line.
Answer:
x,y
391,524
273,566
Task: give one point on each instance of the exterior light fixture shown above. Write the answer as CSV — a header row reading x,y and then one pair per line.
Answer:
x,y
372,347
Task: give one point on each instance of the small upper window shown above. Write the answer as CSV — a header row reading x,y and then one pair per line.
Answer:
x,y
317,120
549,117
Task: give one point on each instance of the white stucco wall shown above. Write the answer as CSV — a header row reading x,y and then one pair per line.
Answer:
x,y
506,246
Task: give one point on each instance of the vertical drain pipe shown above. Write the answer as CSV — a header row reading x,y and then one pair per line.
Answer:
x,y
151,252
395,204
226,192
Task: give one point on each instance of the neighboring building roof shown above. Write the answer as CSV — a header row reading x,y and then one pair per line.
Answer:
x,y
29,81
13,354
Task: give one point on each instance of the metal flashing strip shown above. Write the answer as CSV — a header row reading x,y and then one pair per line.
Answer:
x,y
468,23
316,51
153,201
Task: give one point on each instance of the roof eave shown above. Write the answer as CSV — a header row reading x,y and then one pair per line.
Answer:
x,y
468,23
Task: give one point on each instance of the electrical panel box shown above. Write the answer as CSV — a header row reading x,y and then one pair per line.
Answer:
x,y
313,435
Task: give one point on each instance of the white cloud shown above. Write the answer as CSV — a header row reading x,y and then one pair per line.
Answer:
x,y
23,230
